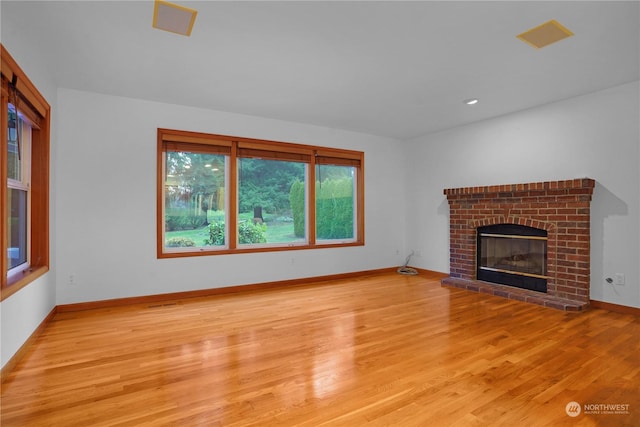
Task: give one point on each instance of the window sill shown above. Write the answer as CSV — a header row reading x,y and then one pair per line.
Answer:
x,y
255,249
19,281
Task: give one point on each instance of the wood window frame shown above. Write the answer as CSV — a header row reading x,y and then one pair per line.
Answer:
x,y
37,111
240,147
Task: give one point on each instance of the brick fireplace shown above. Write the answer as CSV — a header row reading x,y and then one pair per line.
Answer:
x,y
559,208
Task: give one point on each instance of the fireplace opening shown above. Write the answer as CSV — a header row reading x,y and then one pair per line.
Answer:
x,y
514,255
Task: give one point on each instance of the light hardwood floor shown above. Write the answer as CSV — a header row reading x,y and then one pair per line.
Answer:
x,y
381,350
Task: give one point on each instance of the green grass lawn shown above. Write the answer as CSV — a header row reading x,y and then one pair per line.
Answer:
x,y
277,232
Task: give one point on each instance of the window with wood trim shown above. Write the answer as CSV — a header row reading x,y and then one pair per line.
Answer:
x,y
25,173
221,194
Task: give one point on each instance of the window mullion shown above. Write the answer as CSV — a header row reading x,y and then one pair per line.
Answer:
x,y
311,201
232,222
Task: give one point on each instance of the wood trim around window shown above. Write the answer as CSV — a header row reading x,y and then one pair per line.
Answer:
x,y
4,111
248,147
40,172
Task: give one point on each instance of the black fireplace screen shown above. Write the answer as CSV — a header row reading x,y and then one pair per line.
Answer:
x,y
513,255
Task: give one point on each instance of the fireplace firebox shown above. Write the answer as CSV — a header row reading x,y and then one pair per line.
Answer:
x,y
514,255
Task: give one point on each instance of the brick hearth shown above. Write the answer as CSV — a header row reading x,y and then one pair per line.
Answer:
x,y
561,208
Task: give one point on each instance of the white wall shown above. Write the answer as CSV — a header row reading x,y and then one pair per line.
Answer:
x,y
106,201
22,312
595,136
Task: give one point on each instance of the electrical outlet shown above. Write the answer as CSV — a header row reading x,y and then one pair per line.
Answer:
x,y
619,279
72,280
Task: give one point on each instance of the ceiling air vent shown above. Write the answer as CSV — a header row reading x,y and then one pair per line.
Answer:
x,y
174,18
545,34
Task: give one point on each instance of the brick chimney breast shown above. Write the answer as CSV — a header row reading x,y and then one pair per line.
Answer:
x,y
562,208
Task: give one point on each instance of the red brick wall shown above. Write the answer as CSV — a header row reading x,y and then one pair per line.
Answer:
x,y
562,208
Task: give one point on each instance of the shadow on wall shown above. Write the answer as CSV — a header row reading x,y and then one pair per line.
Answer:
x,y
604,204
443,209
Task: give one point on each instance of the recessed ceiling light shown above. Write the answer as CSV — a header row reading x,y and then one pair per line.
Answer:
x,y
471,101
173,18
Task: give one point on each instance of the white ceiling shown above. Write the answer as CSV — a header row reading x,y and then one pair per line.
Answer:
x,y
398,69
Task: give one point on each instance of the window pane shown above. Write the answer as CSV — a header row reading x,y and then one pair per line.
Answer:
x,y
271,201
335,202
18,226
13,157
194,200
